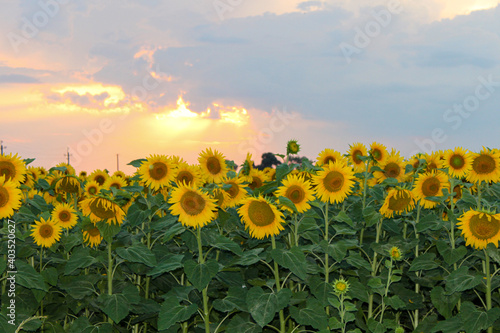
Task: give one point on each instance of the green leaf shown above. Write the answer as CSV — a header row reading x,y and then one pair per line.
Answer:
x,y
312,315
115,306
138,252
320,289
248,258
107,230
450,255
444,303
261,305
373,325
371,216
172,312
493,252
288,203
357,261
169,263
235,299
200,275
475,320
461,280
394,302
424,262
451,325
50,276
293,259
243,323
224,243
80,258
79,286
282,170
81,325
343,217
27,277
137,163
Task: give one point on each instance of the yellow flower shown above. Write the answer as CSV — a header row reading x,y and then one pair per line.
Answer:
x,y
393,168
397,201
457,161
260,217
480,228
99,176
10,197
213,165
485,166
292,147
102,209
114,181
69,169
92,237
12,168
188,174
340,286
64,215
46,233
68,184
258,177
334,183
429,184
298,191
157,171
328,156
92,188
379,152
194,207
355,151
236,192
395,253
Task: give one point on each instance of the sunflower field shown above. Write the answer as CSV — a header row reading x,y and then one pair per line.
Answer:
x,y
366,241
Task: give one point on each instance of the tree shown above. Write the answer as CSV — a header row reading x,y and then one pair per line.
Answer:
x,y
268,160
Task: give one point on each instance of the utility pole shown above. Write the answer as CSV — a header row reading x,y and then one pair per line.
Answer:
x,y
2,147
67,154
117,163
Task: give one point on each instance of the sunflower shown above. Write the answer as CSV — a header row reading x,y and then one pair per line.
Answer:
x,y
261,217
334,183
246,169
395,253
10,197
64,215
298,191
433,161
99,209
68,184
328,156
194,207
235,190
457,161
83,175
485,166
258,177
92,237
13,168
46,232
270,172
213,165
157,171
355,151
188,174
429,184
42,171
99,176
292,147
340,286
92,188
119,173
69,169
221,197
114,181
480,228
397,201
379,152
32,176
393,168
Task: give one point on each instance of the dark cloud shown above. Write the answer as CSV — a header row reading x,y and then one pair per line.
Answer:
x,y
17,78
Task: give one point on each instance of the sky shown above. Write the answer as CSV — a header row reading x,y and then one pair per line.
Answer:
x,y
118,80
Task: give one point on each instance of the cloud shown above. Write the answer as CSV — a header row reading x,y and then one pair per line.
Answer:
x,y
17,78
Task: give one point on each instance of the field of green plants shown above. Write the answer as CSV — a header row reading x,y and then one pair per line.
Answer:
x,y
361,241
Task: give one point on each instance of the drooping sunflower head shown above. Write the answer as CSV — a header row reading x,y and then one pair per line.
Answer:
x,y
395,253
261,217
458,162
485,166
397,201
98,176
392,167
188,174
194,207
64,215
10,197
340,286
46,233
102,209
292,147
69,185
157,171
480,228
297,190
114,181
378,152
213,165
327,156
355,152
92,236
334,183
429,184
12,168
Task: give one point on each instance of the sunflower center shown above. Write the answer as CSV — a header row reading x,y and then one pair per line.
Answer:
x,y
457,161
256,183
213,165
92,190
377,154
293,148
102,209
432,166
116,185
431,186
260,213
483,164
192,203
395,253
483,229
46,231
185,177
7,169
233,191
100,179
4,196
355,156
64,216
398,203
340,286
295,193
329,159
94,232
158,170
333,181
392,170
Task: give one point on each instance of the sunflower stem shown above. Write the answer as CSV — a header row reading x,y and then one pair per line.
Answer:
x,y
417,286
278,286
365,190
327,268
110,276
387,292
488,286
479,195
201,260
374,268
451,218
